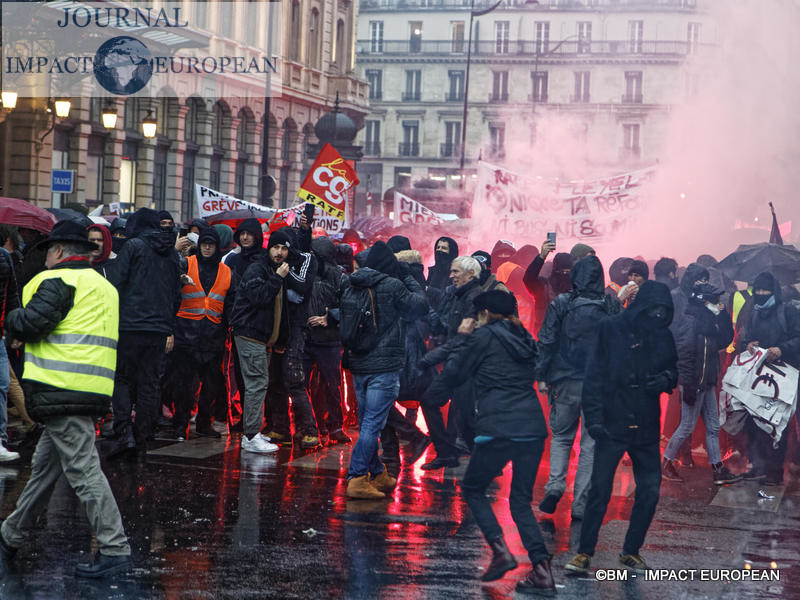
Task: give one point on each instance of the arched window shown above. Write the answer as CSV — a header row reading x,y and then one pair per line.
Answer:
x,y
313,39
219,144
340,48
294,42
243,136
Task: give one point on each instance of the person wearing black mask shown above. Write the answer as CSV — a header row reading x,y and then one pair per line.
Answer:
x,y
775,326
487,279
445,250
118,234
632,362
545,290
201,327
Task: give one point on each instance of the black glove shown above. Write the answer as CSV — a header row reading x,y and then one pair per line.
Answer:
x,y
599,432
660,382
689,395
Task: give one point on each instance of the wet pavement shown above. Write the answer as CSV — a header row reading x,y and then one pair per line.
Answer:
x,y
206,521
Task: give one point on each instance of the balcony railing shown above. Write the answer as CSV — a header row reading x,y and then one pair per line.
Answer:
x,y
450,97
448,150
408,149
531,48
372,149
410,96
632,98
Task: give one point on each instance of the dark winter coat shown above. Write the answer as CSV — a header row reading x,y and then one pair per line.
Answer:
x,y
240,261
499,359
680,295
439,273
555,362
9,294
253,314
777,326
625,357
393,300
326,293
545,289
45,310
698,339
457,305
146,274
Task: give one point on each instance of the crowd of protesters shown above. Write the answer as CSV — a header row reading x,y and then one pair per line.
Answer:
x,y
286,338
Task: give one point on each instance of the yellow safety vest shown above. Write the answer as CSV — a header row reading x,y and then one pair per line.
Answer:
x,y
80,354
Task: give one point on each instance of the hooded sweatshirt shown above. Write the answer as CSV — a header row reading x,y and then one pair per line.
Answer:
x,y
99,263
240,261
680,295
439,273
326,293
545,289
146,274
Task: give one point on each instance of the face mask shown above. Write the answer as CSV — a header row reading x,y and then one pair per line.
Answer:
x,y
763,302
560,282
116,244
713,308
441,258
655,317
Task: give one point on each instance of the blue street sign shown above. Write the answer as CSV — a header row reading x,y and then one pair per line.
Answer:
x,y
63,181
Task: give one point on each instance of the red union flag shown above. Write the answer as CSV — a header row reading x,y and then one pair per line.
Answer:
x,y
328,181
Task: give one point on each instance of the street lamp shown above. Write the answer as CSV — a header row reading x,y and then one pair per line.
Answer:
x,y
9,99
109,117
62,107
149,125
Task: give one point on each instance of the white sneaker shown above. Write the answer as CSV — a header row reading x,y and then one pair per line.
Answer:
x,y
258,444
6,455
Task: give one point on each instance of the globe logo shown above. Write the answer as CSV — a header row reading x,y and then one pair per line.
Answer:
x,y
123,65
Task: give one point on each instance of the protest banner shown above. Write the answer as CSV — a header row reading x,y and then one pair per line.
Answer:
x,y
323,220
408,210
520,206
328,181
211,202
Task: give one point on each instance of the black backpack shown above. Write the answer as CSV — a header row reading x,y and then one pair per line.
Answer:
x,y
358,327
579,326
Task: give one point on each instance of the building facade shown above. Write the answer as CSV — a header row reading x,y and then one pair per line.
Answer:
x,y
229,137
613,67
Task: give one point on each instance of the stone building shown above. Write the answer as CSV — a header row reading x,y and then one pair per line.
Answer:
x,y
219,136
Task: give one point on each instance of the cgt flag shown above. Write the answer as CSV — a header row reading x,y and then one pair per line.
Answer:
x,y
327,182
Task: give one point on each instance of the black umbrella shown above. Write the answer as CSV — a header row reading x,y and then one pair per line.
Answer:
x,y
68,214
783,261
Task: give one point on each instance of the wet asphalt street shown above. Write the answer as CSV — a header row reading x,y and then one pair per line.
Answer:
x,y
206,521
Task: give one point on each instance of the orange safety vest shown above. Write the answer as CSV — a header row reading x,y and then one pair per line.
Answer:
x,y
195,304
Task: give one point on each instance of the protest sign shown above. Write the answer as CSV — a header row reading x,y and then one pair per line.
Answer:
x,y
322,219
408,210
211,202
328,181
520,206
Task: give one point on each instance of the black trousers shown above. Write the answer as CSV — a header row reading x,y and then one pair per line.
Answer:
x,y
328,360
397,428
485,462
646,460
184,372
462,412
286,379
764,458
136,382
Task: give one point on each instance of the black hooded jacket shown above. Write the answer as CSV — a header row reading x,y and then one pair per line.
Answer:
x,y
777,326
326,293
629,366
253,314
238,262
146,274
499,358
573,319
699,337
545,289
394,299
680,295
439,273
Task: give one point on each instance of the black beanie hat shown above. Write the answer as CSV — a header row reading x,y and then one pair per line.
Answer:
x,y
765,281
209,234
164,214
381,258
483,257
562,261
278,237
497,302
398,243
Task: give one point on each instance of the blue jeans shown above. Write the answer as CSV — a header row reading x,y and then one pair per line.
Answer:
x,y
376,394
5,381
706,404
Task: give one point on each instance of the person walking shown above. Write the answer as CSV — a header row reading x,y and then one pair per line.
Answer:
x,y
69,324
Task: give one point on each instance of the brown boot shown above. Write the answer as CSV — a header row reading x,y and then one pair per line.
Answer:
x,y
539,581
383,482
360,488
502,561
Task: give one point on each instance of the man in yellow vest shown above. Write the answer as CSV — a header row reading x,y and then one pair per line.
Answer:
x,y
69,323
